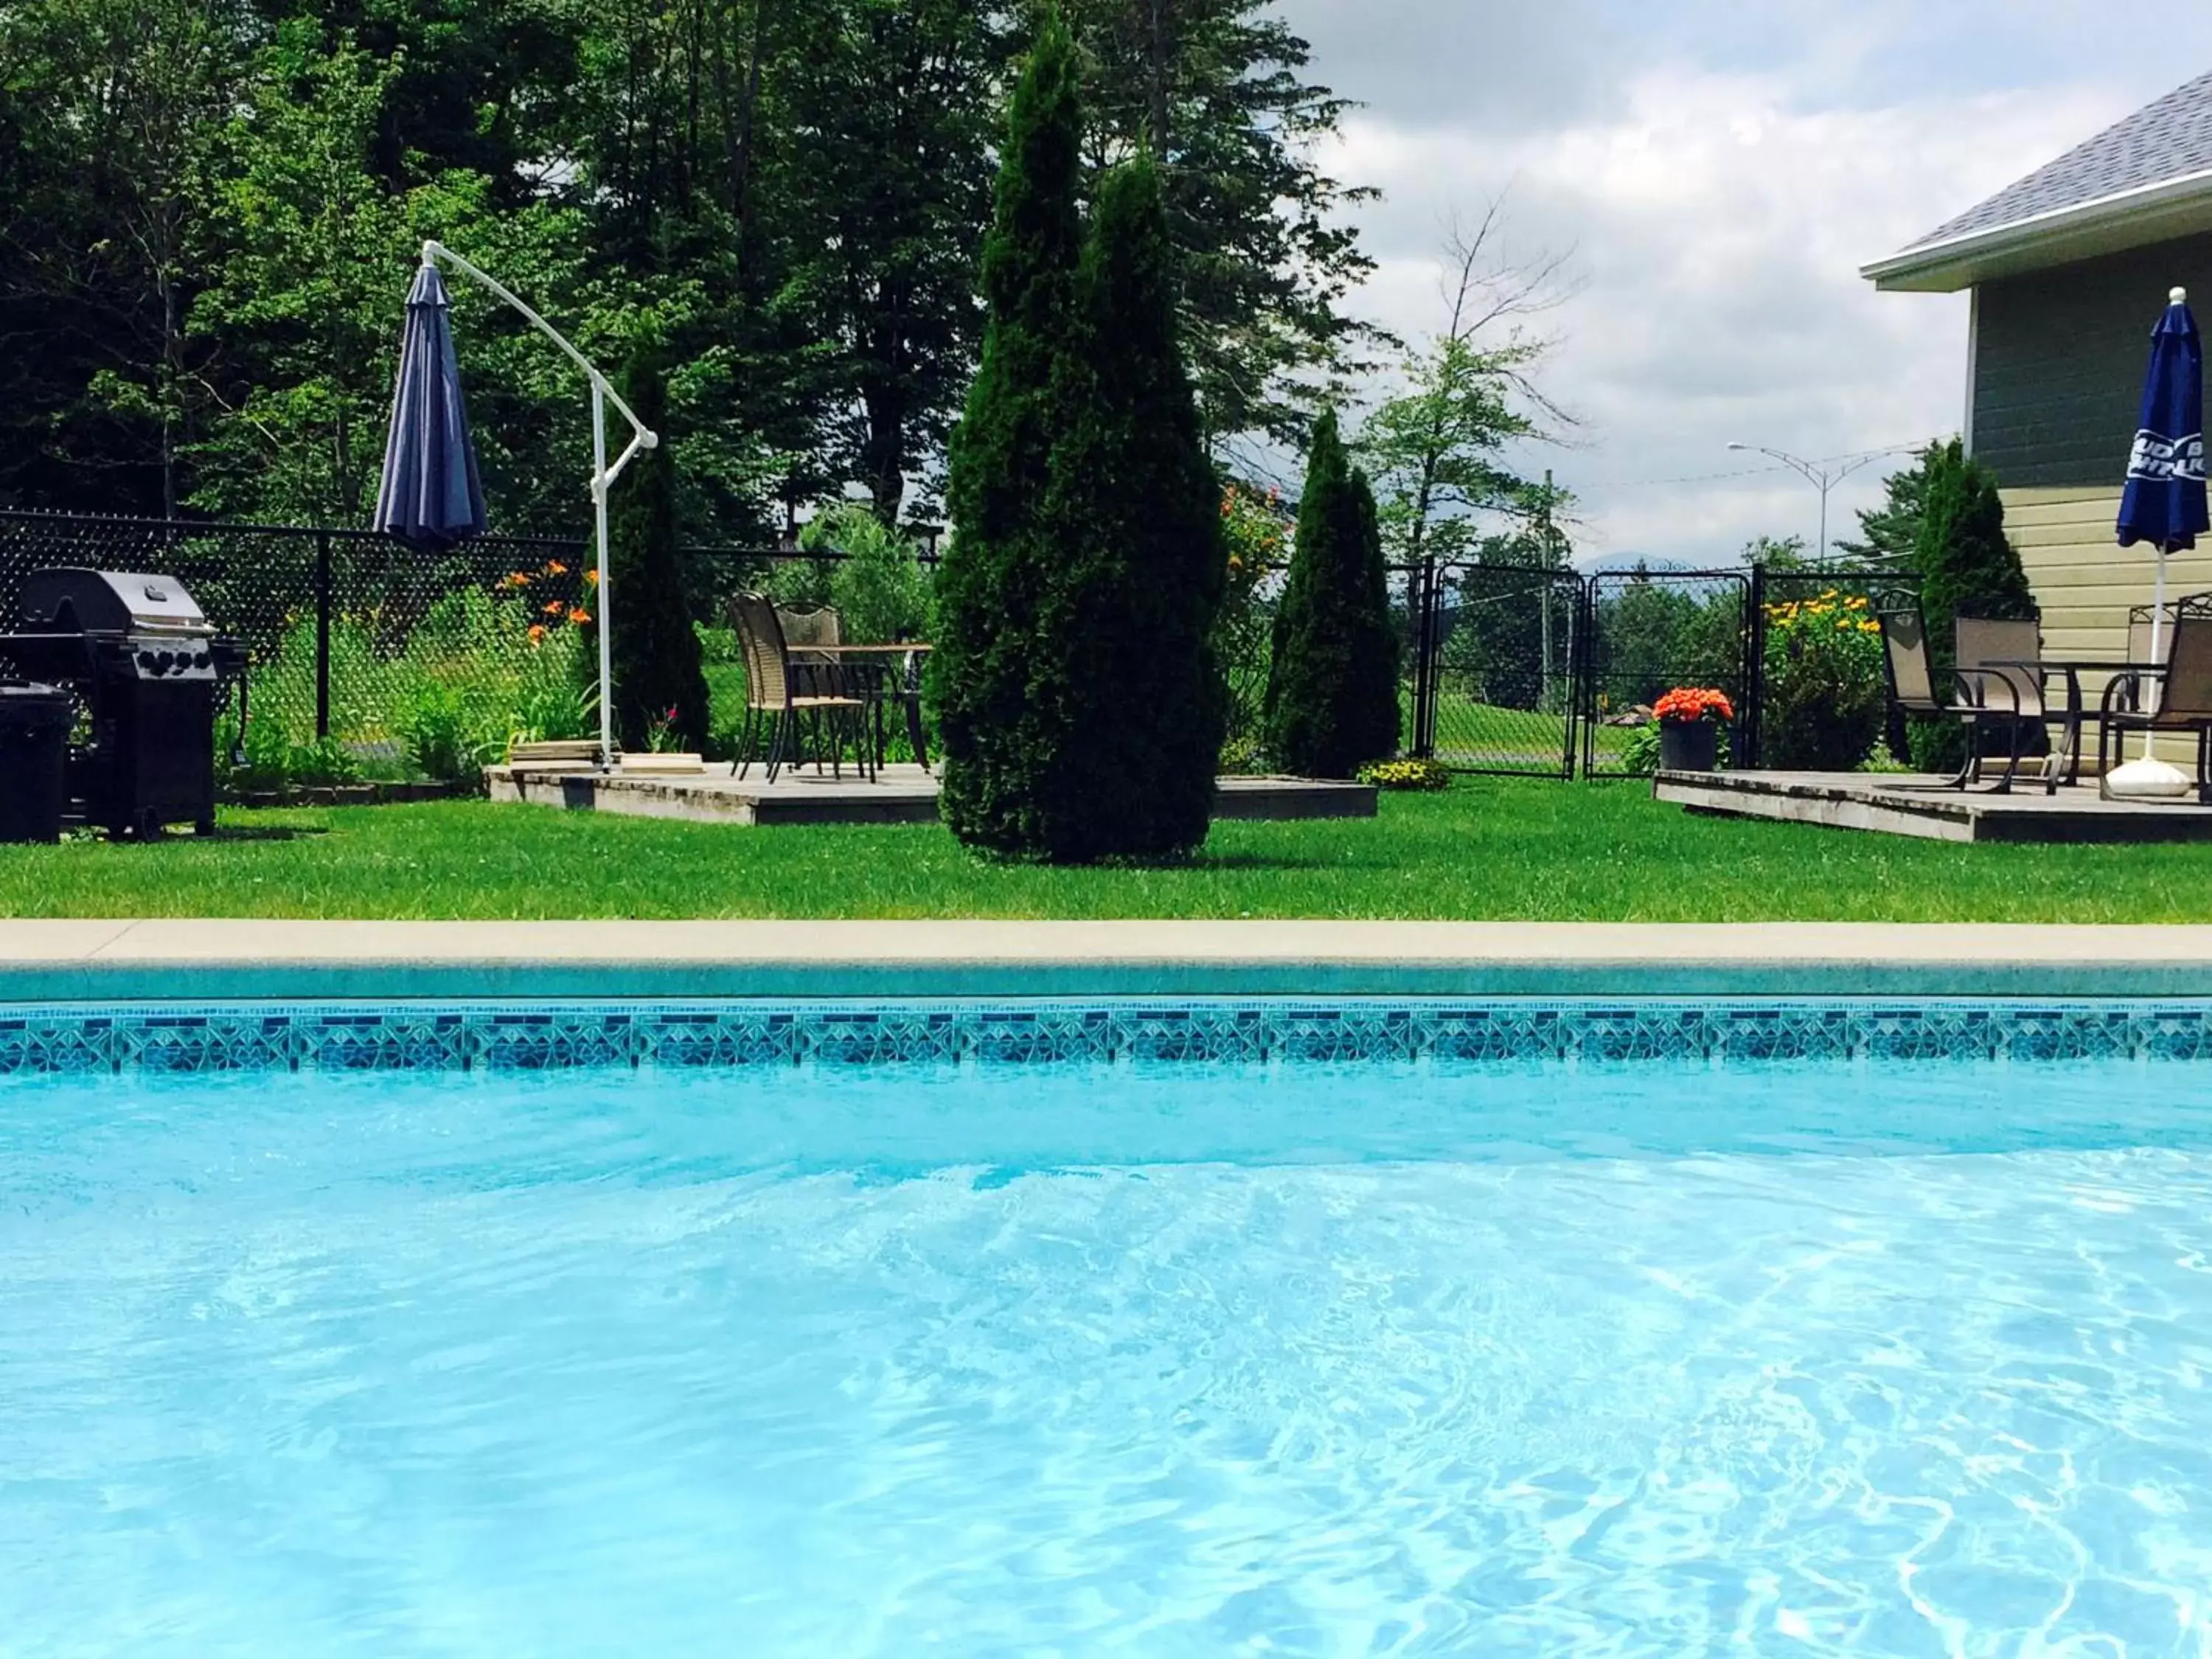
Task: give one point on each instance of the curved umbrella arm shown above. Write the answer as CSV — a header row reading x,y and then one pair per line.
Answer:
x,y
644,436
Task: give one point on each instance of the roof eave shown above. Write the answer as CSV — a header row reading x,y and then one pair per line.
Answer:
x,y
2110,224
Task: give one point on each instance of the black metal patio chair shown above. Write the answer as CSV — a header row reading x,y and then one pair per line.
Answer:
x,y
1997,686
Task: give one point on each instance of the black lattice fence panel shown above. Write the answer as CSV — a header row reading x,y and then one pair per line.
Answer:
x,y
1500,697
1646,633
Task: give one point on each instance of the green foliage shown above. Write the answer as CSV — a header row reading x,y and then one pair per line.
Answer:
x,y
879,590
1967,567
1652,635
440,698
655,654
1777,553
1639,754
1424,776
1126,615
209,213
1001,709
1080,708
1892,530
1214,90
1332,687
1256,529
1826,697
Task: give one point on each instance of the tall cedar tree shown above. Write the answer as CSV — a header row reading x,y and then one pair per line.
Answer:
x,y
1127,609
1003,710
1332,687
1966,566
656,653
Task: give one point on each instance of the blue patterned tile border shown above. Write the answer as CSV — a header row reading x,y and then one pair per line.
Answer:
x,y
37,1038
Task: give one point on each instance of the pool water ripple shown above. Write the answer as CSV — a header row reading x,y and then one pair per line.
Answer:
x,y
1404,1361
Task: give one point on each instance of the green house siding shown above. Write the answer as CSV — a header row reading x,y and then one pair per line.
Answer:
x,y
2059,361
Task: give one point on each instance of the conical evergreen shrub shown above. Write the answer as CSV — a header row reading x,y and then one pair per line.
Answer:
x,y
1332,683
1002,709
655,652
1967,566
1127,608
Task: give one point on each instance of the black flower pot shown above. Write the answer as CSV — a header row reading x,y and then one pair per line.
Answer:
x,y
1688,745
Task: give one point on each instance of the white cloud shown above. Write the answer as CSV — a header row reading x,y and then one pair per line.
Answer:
x,y
1718,216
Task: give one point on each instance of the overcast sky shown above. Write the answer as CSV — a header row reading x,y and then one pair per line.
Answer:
x,y
1717,170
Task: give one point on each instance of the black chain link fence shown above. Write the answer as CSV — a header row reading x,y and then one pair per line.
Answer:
x,y
1647,633
1501,644
370,657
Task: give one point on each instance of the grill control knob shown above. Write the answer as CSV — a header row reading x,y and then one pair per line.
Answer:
x,y
146,662
165,662
202,660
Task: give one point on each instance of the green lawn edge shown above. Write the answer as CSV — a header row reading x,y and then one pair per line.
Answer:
x,y
1486,850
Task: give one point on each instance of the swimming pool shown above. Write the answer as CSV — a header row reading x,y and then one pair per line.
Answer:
x,y
1547,1352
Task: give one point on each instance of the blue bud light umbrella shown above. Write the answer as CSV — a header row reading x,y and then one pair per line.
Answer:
x,y
430,496
2163,502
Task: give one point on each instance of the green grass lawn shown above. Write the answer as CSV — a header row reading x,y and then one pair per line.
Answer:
x,y
1488,849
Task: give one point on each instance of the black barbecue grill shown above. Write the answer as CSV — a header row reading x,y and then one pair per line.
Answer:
x,y
150,675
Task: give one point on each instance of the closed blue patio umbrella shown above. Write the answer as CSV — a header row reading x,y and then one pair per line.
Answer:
x,y
430,496
2163,502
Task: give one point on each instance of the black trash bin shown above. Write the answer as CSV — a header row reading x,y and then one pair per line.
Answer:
x,y
35,729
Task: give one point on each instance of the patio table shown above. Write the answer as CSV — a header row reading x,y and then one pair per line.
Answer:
x,y
2073,668
870,667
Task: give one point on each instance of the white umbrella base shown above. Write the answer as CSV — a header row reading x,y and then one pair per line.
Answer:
x,y
2147,780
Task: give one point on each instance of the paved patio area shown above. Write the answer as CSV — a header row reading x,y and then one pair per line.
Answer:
x,y
904,794
1920,805
218,960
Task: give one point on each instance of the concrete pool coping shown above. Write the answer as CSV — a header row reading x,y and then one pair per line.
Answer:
x,y
204,960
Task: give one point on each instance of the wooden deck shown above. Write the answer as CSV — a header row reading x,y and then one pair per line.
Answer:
x,y
1909,804
901,794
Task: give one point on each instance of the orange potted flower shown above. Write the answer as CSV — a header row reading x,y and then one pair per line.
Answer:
x,y
1690,721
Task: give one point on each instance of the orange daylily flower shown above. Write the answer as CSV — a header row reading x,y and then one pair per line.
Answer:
x,y
580,615
538,633
554,608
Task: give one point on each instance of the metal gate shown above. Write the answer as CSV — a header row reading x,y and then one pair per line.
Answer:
x,y
1549,673
1495,692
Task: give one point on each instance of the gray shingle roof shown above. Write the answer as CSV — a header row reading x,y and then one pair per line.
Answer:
x,y
2168,139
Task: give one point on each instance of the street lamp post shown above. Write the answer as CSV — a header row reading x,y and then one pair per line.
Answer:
x,y
1823,476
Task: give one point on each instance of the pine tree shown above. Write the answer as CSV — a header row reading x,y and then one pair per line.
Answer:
x,y
1129,605
1966,566
657,678
1002,709
1333,690
1892,529
1966,563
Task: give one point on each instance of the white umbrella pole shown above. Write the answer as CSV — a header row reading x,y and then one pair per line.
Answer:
x,y
2150,778
2157,621
599,605
641,437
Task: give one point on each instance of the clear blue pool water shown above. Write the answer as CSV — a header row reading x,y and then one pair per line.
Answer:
x,y
1655,1360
